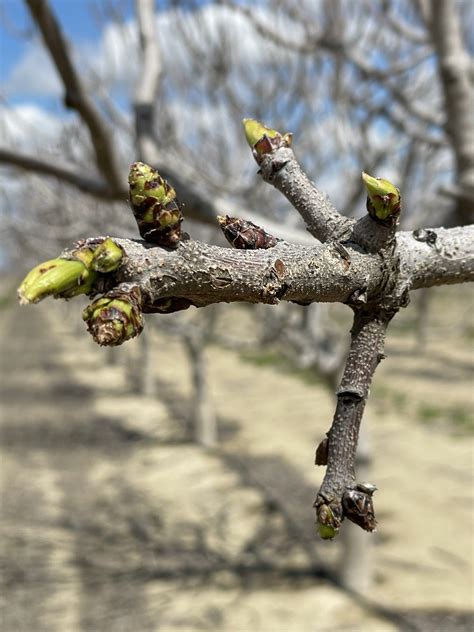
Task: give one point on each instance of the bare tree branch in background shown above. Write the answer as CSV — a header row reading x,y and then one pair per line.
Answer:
x,y
458,87
148,82
76,95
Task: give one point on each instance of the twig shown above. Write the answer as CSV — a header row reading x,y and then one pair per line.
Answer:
x,y
323,221
367,344
50,168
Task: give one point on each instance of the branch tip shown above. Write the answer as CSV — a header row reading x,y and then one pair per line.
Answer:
x,y
262,139
71,274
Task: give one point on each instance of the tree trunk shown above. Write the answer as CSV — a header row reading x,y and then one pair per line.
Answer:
x,y
356,570
203,418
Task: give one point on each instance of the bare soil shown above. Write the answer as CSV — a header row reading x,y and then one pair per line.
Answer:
x,y
114,521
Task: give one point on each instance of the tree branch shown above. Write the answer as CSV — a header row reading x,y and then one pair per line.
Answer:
x,y
51,168
367,343
436,256
371,269
76,96
281,169
455,69
203,274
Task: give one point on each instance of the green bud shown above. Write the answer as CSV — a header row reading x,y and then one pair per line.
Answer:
x,y
326,532
86,255
113,319
383,197
145,182
255,131
107,256
85,287
57,277
154,206
328,526
263,140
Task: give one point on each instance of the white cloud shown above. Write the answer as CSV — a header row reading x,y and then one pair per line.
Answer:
x,y
27,125
34,75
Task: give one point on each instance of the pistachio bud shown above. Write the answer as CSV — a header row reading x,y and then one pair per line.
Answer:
x,y
328,525
244,234
154,205
263,140
321,457
107,256
145,182
326,532
59,277
358,506
383,197
254,131
114,318
85,255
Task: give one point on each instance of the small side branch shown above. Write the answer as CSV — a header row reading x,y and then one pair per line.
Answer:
x,y
278,166
335,498
322,220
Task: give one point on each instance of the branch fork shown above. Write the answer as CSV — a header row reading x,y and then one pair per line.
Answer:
x,y
364,264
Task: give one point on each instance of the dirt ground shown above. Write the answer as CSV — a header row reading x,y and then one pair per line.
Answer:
x,y
114,521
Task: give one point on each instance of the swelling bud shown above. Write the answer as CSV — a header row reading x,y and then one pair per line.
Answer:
x,y
61,278
114,318
263,140
154,205
383,197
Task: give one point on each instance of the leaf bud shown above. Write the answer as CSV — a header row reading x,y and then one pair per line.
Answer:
x,y
383,197
58,277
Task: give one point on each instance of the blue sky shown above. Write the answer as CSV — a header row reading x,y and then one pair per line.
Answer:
x,y
76,18
81,20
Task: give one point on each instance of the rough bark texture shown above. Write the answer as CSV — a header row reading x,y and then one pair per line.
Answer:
x,y
367,344
206,274
322,220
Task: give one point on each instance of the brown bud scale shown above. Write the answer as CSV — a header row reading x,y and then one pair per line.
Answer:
x,y
322,452
245,235
358,507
